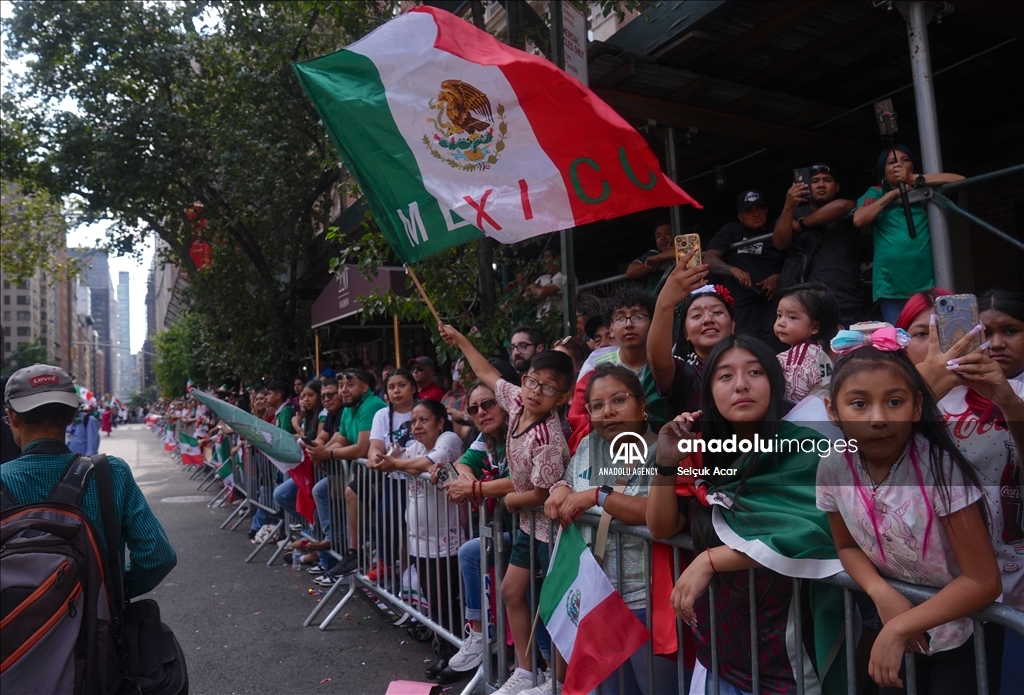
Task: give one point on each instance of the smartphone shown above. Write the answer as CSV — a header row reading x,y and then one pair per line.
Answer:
x,y
955,316
446,473
686,243
803,176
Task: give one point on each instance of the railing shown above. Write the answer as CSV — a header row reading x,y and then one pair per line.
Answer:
x,y
437,600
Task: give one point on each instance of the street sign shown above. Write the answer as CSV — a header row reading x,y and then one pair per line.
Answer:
x,y
574,40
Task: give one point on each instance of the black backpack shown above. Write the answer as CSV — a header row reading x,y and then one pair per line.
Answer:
x,y
116,646
58,632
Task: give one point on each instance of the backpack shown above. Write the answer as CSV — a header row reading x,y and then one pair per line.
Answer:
x,y
57,614
798,259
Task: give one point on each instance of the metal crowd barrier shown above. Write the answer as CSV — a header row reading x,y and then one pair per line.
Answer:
x,y
436,599
261,479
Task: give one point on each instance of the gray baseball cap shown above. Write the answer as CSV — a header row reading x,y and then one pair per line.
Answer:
x,y
38,385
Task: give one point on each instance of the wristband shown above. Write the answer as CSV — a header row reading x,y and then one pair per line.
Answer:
x,y
597,496
711,563
602,494
666,470
920,181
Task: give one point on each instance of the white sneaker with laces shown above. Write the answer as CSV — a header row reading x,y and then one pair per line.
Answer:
x,y
545,688
519,682
470,654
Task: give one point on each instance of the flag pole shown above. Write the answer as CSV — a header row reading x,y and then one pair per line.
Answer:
x,y
316,352
416,281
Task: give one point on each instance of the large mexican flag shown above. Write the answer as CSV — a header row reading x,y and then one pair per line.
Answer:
x,y
451,134
581,609
189,448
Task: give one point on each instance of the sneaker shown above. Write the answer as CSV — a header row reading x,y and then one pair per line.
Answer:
x,y
377,572
470,654
520,681
346,566
317,569
547,687
296,527
326,580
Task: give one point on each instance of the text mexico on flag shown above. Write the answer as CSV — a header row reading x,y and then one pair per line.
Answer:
x,y
451,133
581,609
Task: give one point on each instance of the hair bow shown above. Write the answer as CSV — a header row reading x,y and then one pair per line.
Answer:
x,y
887,338
720,290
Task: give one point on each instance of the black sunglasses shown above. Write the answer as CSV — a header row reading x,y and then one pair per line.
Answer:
x,y
485,404
821,169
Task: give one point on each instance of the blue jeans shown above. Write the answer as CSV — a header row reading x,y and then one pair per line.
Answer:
x,y
891,309
1013,665
285,497
635,672
469,565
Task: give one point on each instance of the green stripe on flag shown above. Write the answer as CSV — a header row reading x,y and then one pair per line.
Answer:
x,y
565,567
347,91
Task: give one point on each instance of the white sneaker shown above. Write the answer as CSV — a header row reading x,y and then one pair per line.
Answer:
x,y
470,654
519,682
545,687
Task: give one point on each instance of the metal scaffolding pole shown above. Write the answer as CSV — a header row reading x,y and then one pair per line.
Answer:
x,y
676,211
566,235
918,15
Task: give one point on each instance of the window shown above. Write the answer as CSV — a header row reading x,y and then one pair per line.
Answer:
x,y
42,303
42,315
7,330
7,285
22,300
24,331
7,347
23,286
7,299
7,316
42,331
24,316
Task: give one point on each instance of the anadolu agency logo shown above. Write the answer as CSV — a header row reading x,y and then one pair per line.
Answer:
x,y
629,449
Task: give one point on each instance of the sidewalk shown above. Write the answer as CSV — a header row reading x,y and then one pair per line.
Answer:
x,y
240,625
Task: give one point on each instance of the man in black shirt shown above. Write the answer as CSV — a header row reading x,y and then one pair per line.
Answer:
x,y
825,243
749,272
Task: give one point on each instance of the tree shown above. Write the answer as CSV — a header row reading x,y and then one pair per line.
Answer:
x,y
26,355
179,104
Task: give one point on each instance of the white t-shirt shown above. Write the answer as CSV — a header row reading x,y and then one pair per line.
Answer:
x,y
992,452
544,280
434,523
400,430
899,538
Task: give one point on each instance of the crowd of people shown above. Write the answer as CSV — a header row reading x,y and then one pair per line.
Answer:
x,y
764,342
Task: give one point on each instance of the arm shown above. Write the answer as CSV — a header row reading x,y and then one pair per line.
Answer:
x,y
483,369
637,270
782,236
680,282
696,577
514,501
546,291
152,556
719,267
345,450
829,212
869,212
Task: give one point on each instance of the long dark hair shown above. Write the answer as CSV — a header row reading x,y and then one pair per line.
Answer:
x,y
1003,301
311,421
714,426
403,373
931,425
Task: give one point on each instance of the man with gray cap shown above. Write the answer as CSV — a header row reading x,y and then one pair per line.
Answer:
x,y
40,403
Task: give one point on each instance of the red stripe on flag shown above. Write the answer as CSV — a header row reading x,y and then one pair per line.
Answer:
x,y
594,656
606,166
302,475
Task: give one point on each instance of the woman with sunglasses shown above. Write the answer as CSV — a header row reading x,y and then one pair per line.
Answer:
x,y
483,479
617,406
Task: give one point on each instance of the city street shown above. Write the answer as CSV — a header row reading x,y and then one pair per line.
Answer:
x,y
240,625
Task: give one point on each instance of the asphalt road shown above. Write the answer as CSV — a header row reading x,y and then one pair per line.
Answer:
x,y
240,625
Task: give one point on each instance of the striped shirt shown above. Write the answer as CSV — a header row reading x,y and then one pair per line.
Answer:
x,y
536,457
31,477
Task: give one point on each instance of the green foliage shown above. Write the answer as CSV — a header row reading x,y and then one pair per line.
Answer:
x,y
137,400
178,356
32,235
183,103
25,355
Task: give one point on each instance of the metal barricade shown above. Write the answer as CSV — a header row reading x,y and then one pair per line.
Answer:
x,y
262,478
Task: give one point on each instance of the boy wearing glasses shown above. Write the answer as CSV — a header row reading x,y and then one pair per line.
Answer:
x,y
537,454
629,318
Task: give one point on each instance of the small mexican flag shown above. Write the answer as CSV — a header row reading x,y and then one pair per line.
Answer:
x,y
581,609
453,135
190,452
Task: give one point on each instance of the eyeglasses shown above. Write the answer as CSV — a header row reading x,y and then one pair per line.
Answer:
x,y
419,368
614,404
547,390
821,169
351,374
635,319
486,404
329,394
562,342
522,347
